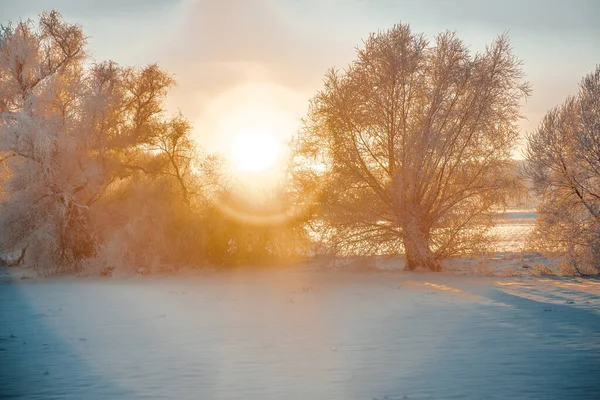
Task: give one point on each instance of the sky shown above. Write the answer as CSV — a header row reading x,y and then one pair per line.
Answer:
x,y
253,64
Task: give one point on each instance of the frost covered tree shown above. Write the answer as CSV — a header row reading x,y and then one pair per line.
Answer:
x,y
83,145
563,157
408,149
38,70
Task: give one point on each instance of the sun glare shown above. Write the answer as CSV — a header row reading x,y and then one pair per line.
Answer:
x,y
255,150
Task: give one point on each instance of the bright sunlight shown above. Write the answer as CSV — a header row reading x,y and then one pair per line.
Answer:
x,y
249,126
255,150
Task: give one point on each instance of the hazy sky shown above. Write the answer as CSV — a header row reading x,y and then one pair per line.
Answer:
x,y
255,63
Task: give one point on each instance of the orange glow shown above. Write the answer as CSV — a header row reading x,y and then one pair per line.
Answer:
x,y
255,150
249,125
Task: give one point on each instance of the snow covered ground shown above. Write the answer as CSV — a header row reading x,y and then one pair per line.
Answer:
x,y
300,334
357,330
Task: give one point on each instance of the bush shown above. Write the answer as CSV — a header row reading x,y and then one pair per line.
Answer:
x,y
541,269
511,272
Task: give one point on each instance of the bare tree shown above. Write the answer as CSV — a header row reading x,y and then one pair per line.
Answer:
x,y
408,148
564,164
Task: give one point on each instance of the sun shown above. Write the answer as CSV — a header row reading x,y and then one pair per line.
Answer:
x,y
255,150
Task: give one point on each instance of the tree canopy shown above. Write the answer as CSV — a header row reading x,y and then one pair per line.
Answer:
x,y
409,147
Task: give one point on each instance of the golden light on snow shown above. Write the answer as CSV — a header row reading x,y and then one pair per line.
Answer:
x,y
255,150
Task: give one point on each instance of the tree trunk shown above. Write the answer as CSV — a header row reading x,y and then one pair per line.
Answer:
x,y
416,248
